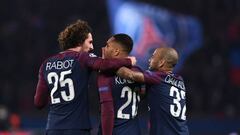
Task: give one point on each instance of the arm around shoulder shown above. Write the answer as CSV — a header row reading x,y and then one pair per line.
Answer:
x,y
97,63
131,75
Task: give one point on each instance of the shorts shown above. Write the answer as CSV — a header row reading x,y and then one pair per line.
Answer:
x,y
131,127
68,132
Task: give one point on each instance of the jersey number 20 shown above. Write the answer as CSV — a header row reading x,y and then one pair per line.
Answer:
x,y
131,97
176,109
62,81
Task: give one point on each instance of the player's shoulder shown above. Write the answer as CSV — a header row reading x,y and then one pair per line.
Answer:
x,y
60,56
179,77
72,55
155,73
160,75
173,75
48,58
86,55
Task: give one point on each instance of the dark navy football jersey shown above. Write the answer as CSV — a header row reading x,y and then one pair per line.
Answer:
x,y
124,95
167,102
131,127
63,80
126,101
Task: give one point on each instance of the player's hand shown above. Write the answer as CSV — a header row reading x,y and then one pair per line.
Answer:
x,y
123,72
133,60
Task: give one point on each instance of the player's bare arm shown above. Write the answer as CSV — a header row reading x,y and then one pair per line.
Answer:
x,y
129,74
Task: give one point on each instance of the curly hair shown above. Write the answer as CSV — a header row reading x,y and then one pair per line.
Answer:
x,y
73,34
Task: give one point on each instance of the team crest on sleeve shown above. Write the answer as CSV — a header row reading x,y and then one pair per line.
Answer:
x,y
92,55
105,88
150,72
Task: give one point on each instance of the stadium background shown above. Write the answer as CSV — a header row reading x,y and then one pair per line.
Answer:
x,y
211,67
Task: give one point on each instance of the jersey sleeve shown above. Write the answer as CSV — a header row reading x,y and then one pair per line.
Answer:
x,y
107,118
152,77
96,63
41,95
106,101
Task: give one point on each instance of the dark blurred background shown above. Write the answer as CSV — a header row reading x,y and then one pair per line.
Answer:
x,y
28,35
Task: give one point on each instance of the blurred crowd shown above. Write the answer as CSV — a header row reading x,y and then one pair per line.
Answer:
x,y
29,30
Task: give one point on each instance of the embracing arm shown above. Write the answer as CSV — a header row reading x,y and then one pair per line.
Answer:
x,y
147,77
131,75
97,63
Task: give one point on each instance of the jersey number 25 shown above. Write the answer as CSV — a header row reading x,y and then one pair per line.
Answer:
x,y
62,81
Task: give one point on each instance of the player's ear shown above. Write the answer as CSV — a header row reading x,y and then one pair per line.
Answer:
x,y
161,63
116,52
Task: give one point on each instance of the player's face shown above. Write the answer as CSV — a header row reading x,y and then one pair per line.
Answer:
x,y
88,44
109,49
153,61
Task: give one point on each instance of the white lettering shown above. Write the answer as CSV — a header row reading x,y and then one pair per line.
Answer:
x,y
59,64
54,65
119,80
174,82
48,66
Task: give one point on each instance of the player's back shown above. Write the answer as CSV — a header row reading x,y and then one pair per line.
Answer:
x,y
167,103
67,81
126,100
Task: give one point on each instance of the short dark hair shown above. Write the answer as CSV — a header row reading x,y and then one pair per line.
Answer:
x,y
73,34
125,41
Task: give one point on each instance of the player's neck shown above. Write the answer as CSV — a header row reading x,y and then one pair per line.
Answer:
x,y
75,49
166,69
122,55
